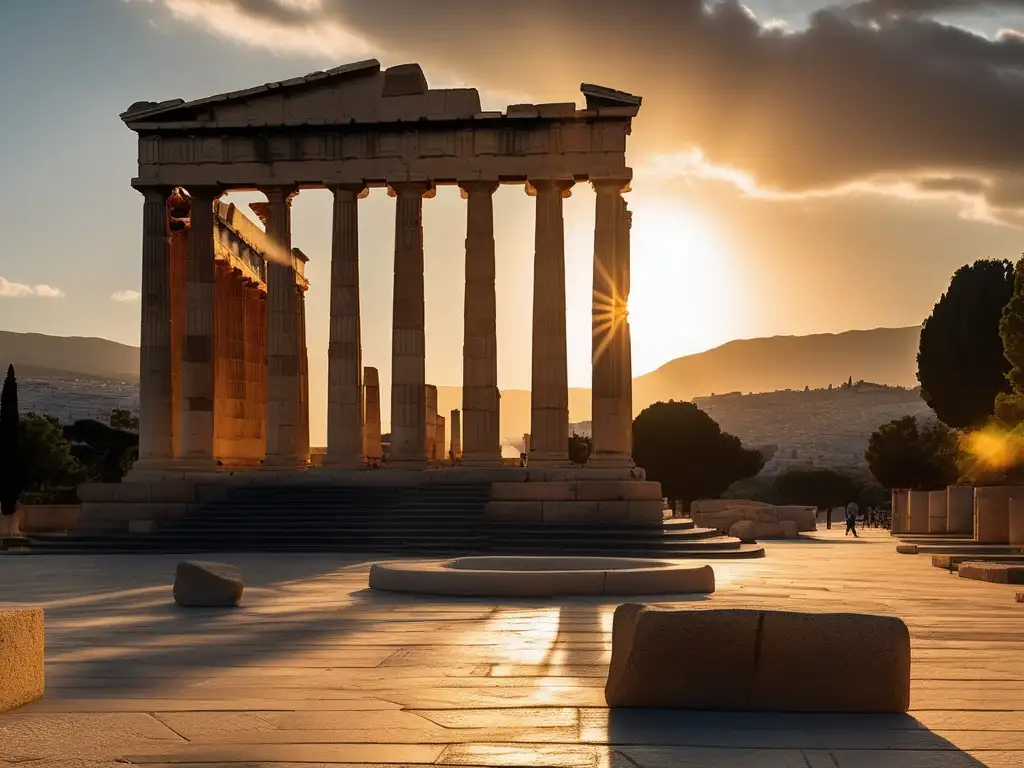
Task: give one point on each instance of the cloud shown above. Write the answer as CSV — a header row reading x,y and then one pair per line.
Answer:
x,y
126,296
9,290
865,91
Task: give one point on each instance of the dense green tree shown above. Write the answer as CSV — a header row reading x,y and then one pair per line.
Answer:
x,y
122,418
686,451
907,454
1010,405
106,453
579,449
48,464
960,361
819,487
11,477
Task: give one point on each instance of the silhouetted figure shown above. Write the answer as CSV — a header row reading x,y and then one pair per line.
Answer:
x,y
851,519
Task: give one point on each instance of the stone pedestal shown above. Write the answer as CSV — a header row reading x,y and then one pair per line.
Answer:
x,y
917,512
371,415
937,511
549,394
480,399
455,423
992,513
960,509
408,360
344,355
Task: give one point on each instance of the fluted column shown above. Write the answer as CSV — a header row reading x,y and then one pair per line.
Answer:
x,y
480,400
456,429
156,389
430,422
344,353
611,389
199,359
408,353
371,416
549,395
179,314
285,340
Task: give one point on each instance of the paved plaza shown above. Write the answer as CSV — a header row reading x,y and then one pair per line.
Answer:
x,y
314,669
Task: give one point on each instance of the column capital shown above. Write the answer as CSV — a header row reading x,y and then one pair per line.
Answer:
x,y
564,185
280,194
154,193
478,187
424,188
611,185
355,189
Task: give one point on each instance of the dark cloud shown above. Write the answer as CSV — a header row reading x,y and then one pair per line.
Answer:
x,y
841,100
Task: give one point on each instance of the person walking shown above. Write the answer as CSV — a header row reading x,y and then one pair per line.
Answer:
x,y
851,519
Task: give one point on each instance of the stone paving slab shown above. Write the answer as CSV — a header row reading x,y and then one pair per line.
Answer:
x,y
314,670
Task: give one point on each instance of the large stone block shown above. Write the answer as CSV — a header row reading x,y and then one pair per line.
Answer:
x,y
1016,522
569,512
992,513
832,662
806,518
202,584
555,491
744,530
618,490
937,511
22,642
960,509
531,512
900,502
917,512
997,573
650,668
758,660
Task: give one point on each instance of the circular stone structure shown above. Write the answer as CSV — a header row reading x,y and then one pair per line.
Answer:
x,y
542,577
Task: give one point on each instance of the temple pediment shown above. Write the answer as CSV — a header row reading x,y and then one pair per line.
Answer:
x,y
354,93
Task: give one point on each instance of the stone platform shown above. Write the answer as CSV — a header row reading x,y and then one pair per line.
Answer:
x,y
313,669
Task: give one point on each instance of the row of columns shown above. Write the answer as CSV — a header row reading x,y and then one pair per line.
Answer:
x,y
221,381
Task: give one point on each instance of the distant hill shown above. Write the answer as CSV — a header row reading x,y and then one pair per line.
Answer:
x,y
35,354
884,355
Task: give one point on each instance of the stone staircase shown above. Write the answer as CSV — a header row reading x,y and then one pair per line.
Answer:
x,y
431,519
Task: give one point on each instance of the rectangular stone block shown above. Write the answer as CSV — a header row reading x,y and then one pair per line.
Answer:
x,y
514,512
554,491
612,512
917,511
776,661
22,642
960,509
1016,522
937,511
570,512
646,512
618,490
997,573
992,513
832,662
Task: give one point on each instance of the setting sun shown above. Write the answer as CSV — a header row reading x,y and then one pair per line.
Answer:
x,y
683,296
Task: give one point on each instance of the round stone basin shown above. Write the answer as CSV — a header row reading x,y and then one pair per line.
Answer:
x,y
542,577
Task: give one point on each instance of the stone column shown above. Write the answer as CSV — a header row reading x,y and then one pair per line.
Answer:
x,y
430,421
456,427
199,361
549,396
344,353
156,395
251,403
480,400
439,439
179,313
408,354
371,416
285,341
612,370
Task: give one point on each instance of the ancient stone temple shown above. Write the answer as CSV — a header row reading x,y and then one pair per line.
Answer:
x,y
224,380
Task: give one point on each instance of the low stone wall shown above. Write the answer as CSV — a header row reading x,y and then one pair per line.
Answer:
x,y
48,518
576,502
134,507
1016,522
992,513
960,509
917,512
22,639
769,661
937,511
764,516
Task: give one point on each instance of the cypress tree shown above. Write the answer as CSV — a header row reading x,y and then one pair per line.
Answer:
x,y
10,470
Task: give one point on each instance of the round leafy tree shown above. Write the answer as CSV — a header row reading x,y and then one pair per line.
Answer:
x,y
686,451
960,361
819,487
906,454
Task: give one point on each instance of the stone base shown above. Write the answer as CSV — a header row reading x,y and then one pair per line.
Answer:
x,y
132,507
22,640
997,573
579,501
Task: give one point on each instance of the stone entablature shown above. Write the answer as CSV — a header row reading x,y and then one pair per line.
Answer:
x,y
359,124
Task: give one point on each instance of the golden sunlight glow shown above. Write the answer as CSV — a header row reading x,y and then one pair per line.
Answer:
x,y
684,295
993,449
